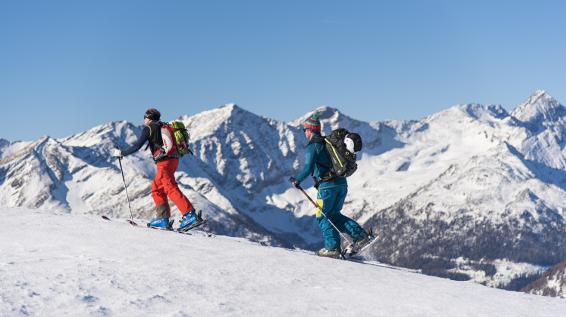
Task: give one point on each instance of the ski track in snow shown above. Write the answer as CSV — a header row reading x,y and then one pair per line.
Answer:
x,y
56,264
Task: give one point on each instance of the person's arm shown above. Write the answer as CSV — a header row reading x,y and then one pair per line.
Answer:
x,y
142,138
308,169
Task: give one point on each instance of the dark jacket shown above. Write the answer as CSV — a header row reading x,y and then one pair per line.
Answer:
x,y
151,134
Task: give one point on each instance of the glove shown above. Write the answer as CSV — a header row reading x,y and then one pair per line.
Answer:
x,y
117,153
295,182
316,182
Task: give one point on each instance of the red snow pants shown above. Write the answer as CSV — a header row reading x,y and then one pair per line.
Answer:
x,y
164,185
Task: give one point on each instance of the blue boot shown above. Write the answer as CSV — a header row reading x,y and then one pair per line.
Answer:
x,y
190,220
160,223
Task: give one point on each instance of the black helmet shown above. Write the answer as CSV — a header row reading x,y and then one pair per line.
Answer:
x,y
152,114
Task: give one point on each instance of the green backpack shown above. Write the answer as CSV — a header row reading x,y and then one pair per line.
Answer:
x,y
181,138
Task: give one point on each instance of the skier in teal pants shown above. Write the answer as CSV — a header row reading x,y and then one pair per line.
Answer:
x,y
331,193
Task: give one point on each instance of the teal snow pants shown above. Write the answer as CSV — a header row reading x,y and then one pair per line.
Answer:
x,y
332,199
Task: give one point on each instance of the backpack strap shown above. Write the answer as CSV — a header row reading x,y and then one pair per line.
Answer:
x,y
319,139
154,136
161,138
168,139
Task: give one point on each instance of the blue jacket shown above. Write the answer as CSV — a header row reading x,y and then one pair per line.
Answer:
x,y
318,163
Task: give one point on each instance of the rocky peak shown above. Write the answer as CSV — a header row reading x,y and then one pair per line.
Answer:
x,y
539,108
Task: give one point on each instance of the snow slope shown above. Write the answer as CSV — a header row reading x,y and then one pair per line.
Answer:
x,y
58,264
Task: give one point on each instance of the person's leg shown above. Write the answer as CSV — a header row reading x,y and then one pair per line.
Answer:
x,y
171,188
158,194
190,218
326,199
345,224
162,210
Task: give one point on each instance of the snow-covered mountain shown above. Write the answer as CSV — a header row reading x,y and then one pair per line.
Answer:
x,y
479,190
56,264
551,283
545,122
465,193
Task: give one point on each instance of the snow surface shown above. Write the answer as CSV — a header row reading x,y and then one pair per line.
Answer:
x,y
59,264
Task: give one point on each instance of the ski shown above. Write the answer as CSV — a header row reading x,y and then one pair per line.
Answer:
x,y
349,254
189,231
130,221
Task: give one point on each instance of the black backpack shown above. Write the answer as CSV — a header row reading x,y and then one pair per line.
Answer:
x,y
343,161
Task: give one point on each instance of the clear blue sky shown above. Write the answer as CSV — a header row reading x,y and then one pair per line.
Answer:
x,y
66,66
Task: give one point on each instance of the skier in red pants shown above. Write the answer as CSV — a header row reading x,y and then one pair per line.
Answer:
x,y
161,142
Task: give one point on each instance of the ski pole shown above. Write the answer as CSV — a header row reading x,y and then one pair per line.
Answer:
x,y
320,208
131,221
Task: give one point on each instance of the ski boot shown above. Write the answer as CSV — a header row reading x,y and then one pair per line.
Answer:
x,y
190,220
361,244
335,254
160,223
